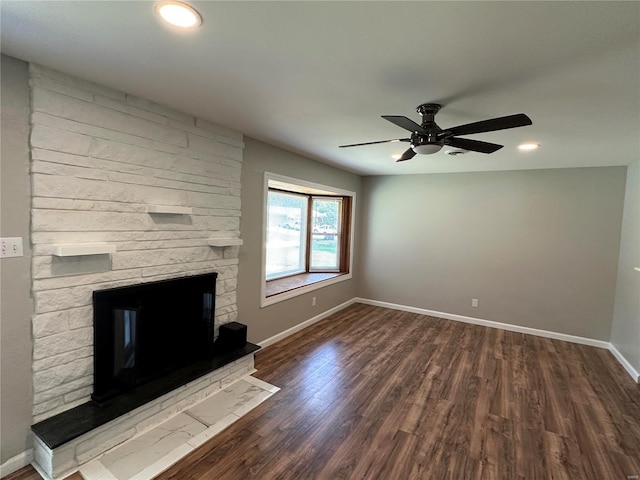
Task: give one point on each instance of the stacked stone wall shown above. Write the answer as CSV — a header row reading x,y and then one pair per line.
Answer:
x,y
99,159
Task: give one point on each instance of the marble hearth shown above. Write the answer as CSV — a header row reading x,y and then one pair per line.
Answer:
x,y
146,456
61,448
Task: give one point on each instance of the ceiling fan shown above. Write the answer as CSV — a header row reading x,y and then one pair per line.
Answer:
x,y
429,138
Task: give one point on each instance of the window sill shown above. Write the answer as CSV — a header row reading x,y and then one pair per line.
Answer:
x,y
295,285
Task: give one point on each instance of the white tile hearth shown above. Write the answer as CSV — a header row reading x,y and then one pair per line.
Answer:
x,y
132,457
233,399
145,456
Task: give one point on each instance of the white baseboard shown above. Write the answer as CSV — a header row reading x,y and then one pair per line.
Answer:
x,y
305,324
514,328
461,318
488,323
16,463
625,363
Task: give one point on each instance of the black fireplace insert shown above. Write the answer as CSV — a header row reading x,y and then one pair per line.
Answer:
x,y
146,331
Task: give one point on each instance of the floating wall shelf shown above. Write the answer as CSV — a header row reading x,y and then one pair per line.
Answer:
x,y
169,209
80,249
224,242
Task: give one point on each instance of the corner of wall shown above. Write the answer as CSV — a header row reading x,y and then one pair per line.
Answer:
x,y
15,364
625,328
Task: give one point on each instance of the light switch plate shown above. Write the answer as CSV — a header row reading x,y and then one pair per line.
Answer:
x,y
11,247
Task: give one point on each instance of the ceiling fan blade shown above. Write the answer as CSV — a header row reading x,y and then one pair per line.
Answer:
x,y
407,155
373,143
404,122
472,145
500,123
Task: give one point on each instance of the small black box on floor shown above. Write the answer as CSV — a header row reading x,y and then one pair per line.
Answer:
x,y
231,336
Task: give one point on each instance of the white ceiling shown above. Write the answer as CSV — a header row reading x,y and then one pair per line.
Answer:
x,y
309,76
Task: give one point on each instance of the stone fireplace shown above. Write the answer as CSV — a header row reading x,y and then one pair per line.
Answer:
x,y
124,192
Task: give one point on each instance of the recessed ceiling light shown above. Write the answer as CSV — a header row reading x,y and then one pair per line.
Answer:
x,y
456,152
179,14
528,146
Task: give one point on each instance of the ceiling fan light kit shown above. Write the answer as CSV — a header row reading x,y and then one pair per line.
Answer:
x,y
428,138
426,148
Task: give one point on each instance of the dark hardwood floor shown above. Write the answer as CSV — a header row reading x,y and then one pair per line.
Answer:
x,y
371,393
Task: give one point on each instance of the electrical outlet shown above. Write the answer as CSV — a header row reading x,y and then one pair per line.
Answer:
x,y
474,302
313,301
11,247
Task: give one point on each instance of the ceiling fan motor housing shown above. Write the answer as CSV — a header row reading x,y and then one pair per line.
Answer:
x,y
426,144
427,141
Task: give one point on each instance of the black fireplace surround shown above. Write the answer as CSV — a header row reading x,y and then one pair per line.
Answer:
x,y
149,339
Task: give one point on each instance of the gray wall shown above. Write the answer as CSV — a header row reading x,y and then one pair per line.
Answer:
x,y
625,333
537,248
266,322
15,301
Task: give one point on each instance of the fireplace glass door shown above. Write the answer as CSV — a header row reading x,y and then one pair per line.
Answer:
x,y
125,333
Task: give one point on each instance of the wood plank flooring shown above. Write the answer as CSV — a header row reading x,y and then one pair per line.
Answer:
x,y
372,393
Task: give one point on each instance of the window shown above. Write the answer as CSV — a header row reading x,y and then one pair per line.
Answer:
x,y
308,231
325,233
286,234
304,234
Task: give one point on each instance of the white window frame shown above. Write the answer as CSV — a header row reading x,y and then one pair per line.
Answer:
x,y
302,250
